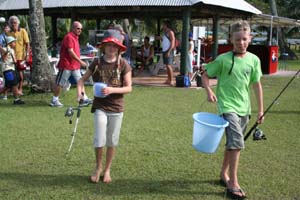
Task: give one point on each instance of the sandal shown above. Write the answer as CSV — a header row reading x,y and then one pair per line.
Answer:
x,y
231,193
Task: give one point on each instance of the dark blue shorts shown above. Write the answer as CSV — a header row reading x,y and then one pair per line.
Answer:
x,y
11,78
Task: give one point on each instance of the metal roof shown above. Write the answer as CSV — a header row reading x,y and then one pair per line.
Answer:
x,y
233,4
240,5
276,21
258,20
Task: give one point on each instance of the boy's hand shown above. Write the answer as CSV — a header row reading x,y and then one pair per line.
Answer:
x,y
260,118
211,97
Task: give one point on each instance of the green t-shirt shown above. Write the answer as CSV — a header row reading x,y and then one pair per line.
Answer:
x,y
233,89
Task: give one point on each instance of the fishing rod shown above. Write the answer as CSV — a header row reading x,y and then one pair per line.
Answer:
x,y
265,112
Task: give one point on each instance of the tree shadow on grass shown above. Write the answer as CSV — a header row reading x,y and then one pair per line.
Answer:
x,y
119,187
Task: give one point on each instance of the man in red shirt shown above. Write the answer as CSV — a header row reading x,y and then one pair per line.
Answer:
x,y
69,63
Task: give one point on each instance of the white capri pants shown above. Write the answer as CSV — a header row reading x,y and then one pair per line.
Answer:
x,y
107,128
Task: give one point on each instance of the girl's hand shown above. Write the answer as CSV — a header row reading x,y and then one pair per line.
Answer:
x,y
80,97
107,90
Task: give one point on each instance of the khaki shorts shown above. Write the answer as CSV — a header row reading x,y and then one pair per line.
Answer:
x,y
168,60
63,76
235,131
107,128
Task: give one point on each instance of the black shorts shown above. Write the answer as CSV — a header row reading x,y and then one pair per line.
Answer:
x,y
11,78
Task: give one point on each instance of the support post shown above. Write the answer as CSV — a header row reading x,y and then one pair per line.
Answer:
x,y
215,36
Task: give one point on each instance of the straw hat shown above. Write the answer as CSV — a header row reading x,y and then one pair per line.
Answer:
x,y
112,36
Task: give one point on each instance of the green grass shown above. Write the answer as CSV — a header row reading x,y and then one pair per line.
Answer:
x,y
292,64
155,158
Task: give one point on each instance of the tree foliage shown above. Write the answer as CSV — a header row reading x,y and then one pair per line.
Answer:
x,y
285,8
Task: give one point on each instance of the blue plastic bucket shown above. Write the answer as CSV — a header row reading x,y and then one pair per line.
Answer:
x,y
97,88
208,131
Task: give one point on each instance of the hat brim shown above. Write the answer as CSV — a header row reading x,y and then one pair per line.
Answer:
x,y
112,40
8,42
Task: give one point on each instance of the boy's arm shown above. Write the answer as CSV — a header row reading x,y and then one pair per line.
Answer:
x,y
205,82
259,98
2,51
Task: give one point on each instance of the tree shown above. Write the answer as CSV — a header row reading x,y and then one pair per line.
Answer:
x,y
42,73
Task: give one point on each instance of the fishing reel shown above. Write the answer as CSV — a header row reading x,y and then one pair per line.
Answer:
x,y
258,134
69,113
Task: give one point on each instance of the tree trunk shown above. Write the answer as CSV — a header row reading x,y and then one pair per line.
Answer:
x,y
42,73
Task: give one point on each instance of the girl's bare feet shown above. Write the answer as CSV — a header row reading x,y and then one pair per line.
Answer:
x,y
107,178
96,176
167,82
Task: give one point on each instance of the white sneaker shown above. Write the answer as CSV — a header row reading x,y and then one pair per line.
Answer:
x,y
86,102
56,103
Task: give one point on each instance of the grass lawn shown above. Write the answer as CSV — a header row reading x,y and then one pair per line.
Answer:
x,y
155,158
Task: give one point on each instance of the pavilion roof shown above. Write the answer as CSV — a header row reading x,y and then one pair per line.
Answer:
x,y
136,8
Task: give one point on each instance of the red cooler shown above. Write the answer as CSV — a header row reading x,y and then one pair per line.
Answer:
x,y
273,59
268,56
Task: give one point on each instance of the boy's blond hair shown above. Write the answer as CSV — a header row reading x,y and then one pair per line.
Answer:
x,y
241,25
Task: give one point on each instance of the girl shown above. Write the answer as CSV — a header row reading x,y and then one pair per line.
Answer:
x,y
115,72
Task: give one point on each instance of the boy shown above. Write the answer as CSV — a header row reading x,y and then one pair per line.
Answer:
x,y
235,71
8,68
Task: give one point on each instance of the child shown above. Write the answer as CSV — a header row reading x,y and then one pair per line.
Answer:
x,y
235,71
8,68
114,71
3,36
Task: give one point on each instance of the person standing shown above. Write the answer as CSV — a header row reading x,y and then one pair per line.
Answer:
x,y
190,56
236,71
3,44
8,69
168,46
22,48
3,35
69,63
126,40
114,71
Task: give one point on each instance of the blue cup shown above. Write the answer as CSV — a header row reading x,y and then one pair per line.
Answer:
x,y
98,87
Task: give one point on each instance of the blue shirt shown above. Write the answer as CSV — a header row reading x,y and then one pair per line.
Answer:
x,y
2,40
